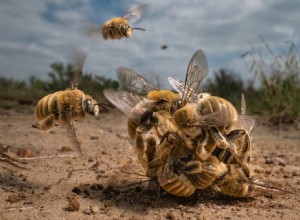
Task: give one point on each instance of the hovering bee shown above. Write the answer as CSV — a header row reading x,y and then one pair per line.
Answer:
x,y
62,106
119,27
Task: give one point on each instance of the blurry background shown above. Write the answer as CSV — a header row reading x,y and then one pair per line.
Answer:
x,y
251,47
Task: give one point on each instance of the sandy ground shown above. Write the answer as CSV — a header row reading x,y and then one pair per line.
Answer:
x,y
42,188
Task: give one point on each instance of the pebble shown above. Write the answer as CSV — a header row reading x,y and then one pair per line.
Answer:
x,y
74,204
276,160
13,199
25,153
76,190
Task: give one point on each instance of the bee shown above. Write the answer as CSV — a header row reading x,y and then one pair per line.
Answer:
x,y
119,27
63,106
201,111
150,117
138,99
221,143
149,112
171,148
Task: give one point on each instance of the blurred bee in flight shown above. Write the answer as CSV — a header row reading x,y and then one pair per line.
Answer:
x,y
62,107
119,27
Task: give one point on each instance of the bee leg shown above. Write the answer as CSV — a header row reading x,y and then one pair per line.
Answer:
x,y
188,167
140,143
233,183
241,137
218,137
235,134
73,133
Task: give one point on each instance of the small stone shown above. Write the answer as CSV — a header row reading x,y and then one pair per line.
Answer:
x,y
13,199
94,209
107,203
171,216
269,161
86,193
87,211
76,190
74,204
25,153
279,161
66,149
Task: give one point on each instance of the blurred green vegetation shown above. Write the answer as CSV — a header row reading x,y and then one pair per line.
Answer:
x,y
279,82
22,93
274,92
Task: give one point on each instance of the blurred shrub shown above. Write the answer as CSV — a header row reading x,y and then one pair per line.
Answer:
x,y
16,93
279,79
226,84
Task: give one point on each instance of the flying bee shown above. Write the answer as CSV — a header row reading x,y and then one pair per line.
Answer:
x,y
62,106
119,27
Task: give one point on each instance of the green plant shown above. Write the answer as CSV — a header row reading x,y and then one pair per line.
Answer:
x,y
279,79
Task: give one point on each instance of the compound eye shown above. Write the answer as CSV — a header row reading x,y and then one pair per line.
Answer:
x,y
89,107
123,29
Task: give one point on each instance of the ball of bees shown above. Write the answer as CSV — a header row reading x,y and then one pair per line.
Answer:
x,y
187,141
62,106
119,27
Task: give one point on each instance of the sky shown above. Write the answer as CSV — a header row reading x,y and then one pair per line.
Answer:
x,y
36,33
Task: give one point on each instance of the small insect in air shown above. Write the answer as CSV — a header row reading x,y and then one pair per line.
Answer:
x,y
164,47
119,27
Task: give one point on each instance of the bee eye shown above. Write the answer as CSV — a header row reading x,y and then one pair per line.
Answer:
x,y
88,106
123,29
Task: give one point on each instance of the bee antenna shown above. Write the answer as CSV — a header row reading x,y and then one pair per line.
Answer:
x,y
137,28
103,106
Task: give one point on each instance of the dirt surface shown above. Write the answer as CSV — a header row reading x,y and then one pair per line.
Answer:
x,y
76,187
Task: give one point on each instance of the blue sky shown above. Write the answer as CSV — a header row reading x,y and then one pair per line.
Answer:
x,y
36,33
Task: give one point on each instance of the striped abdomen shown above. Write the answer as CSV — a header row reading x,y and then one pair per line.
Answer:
x,y
227,113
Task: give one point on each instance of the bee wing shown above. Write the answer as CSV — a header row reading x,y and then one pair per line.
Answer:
x,y
123,100
197,70
179,87
128,175
265,187
214,119
245,121
136,12
78,59
131,81
166,173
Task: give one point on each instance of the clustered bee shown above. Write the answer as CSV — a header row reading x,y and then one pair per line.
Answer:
x,y
119,27
186,140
